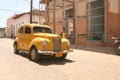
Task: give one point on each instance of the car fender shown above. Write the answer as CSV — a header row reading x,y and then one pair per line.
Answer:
x,y
37,43
64,45
17,41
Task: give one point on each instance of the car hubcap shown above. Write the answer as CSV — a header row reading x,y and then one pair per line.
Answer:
x,y
33,54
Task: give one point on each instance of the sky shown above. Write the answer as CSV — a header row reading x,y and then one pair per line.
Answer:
x,y
10,7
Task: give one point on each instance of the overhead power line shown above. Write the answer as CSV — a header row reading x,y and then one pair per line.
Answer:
x,y
10,10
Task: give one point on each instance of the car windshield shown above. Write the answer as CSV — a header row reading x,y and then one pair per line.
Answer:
x,y
41,30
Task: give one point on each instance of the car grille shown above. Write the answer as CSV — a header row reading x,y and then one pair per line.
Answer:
x,y
56,44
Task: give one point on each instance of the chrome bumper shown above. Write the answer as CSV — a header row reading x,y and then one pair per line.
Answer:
x,y
52,52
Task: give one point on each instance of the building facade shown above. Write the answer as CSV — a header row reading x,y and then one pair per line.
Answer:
x,y
16,20
88,22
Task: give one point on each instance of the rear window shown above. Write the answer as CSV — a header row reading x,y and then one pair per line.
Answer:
x,y
41,30
21,30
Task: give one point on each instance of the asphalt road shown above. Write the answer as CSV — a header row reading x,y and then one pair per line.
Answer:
x,y
79,65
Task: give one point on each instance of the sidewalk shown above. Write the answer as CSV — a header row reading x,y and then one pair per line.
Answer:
x,y
108,50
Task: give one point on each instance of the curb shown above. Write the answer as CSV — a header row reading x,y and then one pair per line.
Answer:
x,y
108,50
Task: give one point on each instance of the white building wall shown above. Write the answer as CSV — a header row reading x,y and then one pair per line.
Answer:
x,y
12,27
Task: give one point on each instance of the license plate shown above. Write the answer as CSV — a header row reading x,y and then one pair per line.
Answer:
x,y
59,54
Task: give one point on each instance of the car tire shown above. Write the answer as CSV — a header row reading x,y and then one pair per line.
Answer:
x,y
34,54
64,56
16,51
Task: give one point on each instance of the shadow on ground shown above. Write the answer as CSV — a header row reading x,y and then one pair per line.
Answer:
x,y
54,61
46,61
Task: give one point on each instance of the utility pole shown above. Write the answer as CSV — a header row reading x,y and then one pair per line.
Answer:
x,y
39,12
31,5
54,16
47,12
75,22
63,13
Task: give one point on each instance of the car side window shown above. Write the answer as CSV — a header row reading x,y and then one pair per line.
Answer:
x,y
21,30
27,30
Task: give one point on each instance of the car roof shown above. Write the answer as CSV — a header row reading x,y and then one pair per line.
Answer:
x,y
39,25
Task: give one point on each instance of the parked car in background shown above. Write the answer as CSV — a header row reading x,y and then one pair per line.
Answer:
x,y
39,40
116,45
2,32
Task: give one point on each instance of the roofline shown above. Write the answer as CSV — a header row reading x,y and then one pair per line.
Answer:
x,y
18,15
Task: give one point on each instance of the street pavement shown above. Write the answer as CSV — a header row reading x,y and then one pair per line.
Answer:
x,y
80,64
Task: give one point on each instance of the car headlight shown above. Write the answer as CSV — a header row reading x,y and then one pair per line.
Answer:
x,y
43,43
68,43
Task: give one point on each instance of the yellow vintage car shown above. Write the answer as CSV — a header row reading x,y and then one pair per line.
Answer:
x,y
38,40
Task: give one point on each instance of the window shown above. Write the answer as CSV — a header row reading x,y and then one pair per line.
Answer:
x,y
41,30
21,30
96,20
27,30
69,13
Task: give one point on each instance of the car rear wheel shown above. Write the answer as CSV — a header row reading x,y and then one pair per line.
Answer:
x,y
34,54
16,51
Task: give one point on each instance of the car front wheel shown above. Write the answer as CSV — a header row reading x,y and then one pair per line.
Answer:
x,y
64,56
34,54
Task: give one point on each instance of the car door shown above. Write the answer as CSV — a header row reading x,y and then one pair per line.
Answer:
x,y
27,37
21,37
